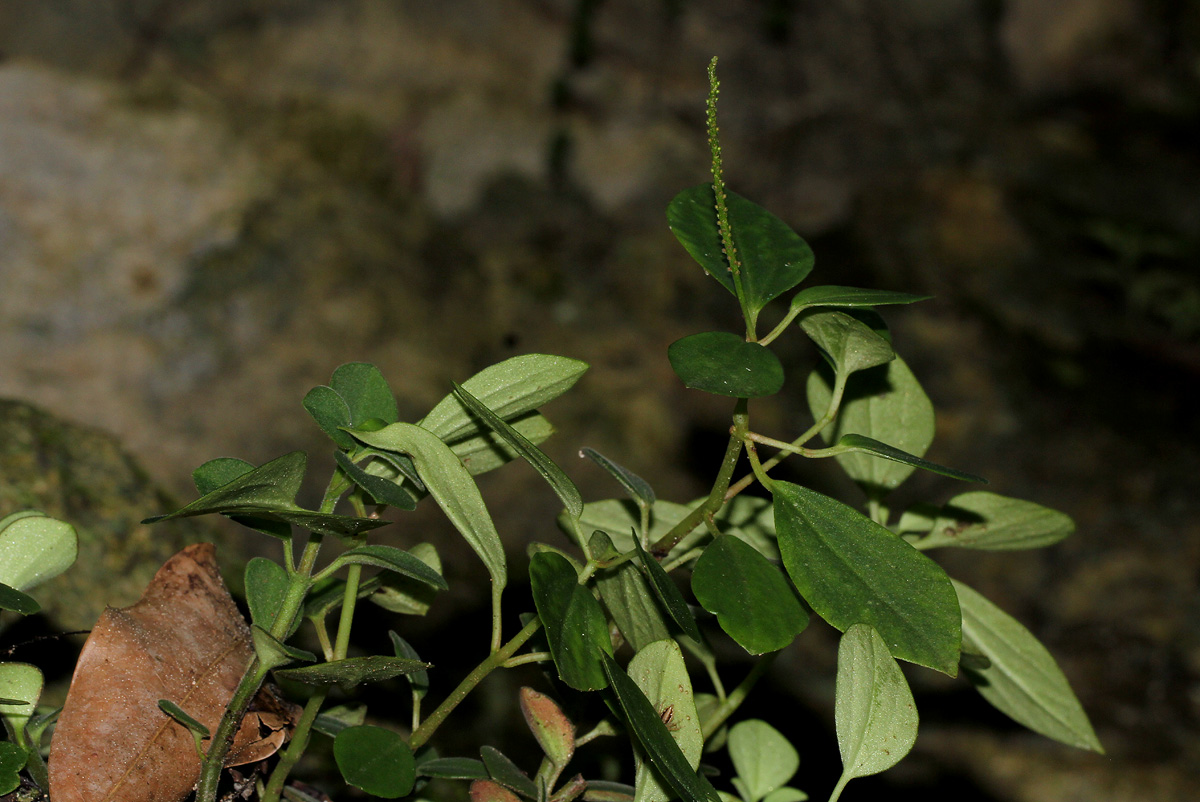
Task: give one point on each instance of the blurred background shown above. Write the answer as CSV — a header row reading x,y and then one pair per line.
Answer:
x,y
206,206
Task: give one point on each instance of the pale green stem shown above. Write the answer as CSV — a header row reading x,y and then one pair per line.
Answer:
x,y
841,786
532,657
295,749
756,466
783,324
497,630
688,555
735,699
604,727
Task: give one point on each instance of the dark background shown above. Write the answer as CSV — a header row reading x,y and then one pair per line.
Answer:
x,y
206,206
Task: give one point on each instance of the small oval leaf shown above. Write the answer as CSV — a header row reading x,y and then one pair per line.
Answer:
x,y
762,757
376,760
366,393
553,730
722,363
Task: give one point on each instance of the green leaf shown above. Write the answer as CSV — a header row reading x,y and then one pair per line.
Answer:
x,y
383,491
366,393
654,739
619,518
637,487
786,794
851,570
505,772
331,413
376,760
22,683
273,652
419,680
750,519
333,720
630,603
454,768
490,791
574,622
847,343
399,594
392,559
353,670
266,586
12,760
217,473
762,757
328,594
874,710
601,791
551,728
18,602
33,549
866,445
724,364
487,451
510,388
451,487
852,297
668,593
554,475
659,671
1023,680
885,403
750,597
773,257
179,714
983,520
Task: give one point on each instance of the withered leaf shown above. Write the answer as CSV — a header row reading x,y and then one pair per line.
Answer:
x,y
185,641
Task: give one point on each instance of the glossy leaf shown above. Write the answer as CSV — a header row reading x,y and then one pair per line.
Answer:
x,y
847,343
419,680
406,596
451,487
453,768
659,671
18,602
866,445
637,487
750,597
509,388
851,297
382,490
668,593
353,670
505,772
630,602
331,413
366,393
655,739
266,584
722,363
392,559
574,622
851,570
487,451
551,728
982,520
562,485
21,685
874,710
33,549
376,760
773,257
886,404
763,759
1023,680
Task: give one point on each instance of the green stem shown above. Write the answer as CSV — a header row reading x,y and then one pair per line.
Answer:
x,y
295,749
841,785
495,660
737,696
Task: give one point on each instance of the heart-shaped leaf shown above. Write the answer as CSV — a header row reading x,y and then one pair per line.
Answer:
x,y
847,343
983,520
574,622
376,760
659,671
722,363
750,597
33,549
366,393
851,570
763,758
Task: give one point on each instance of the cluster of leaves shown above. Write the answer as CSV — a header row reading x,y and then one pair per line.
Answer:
x,y
760,568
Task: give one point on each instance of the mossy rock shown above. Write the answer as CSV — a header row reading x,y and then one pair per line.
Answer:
x,y
82,476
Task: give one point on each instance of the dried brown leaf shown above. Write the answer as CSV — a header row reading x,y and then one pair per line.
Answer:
x,y
185,641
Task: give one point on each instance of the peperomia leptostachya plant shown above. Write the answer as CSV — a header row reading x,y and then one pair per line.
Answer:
x,y
610,617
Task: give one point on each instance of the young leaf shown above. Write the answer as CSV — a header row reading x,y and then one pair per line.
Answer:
x,y
982,520
551,728
668,593
554,476
866,445
851,570
198,730
353,670
366,393
383,491
487,451
33,549
762,757
273,652
18,602
847,343
505,772
575,625
630,603
331,413
451,487
601,791
20,687
874,711
637,487
453,768
852,297
419,680
12,760
659,672
885,403
266,585
491,791
376,760
751,599
773,257
392,559
510,388
722,363
654,738
1023,680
